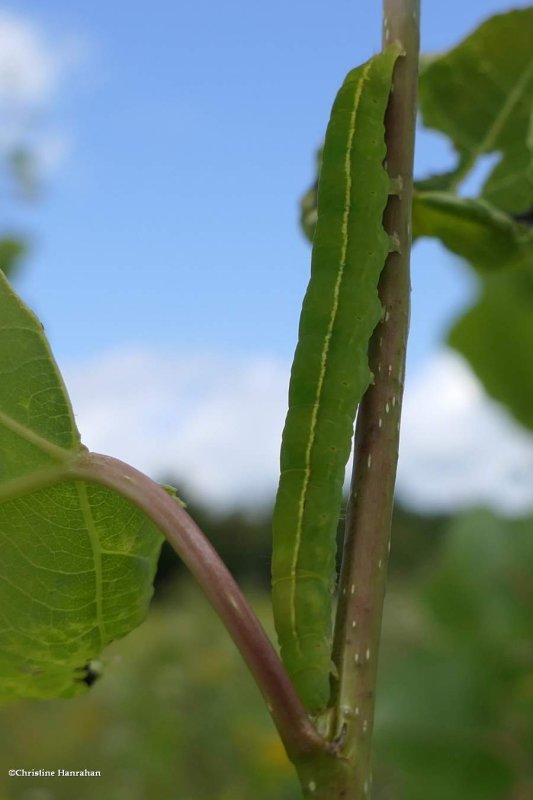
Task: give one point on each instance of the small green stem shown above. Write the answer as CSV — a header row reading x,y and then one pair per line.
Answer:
x,y
298,734
367,539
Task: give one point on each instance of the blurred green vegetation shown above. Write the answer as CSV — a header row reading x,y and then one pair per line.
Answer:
x,y
176,716
243,539
18,181
455,700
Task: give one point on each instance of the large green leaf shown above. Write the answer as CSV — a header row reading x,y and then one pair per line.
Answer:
x,y
473,229
480,94
496,336
77,560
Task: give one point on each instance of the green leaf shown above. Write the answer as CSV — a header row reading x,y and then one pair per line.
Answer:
x,y
496,336
77,560
473,229
330,372
439,182
12,250
480,94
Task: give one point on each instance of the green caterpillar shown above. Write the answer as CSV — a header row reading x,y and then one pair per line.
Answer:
x,y
330,372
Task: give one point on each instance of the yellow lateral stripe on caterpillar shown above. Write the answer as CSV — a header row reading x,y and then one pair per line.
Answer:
x,y
330,372
327,339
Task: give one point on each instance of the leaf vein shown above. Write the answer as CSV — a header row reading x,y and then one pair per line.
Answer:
x,y
97,555
55,451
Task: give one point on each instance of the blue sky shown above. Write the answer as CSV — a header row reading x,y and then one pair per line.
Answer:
x,y
179,138
191,129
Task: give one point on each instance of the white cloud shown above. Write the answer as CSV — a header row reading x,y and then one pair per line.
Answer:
x,y
212,422
32,64
215,424
459,448
33,67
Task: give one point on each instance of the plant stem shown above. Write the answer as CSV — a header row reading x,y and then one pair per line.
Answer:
x,y
299,736
368,525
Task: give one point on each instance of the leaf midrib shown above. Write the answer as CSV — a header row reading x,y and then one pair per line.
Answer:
x,y
56,452
486,143
81,488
